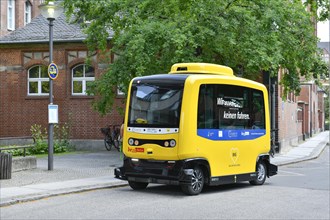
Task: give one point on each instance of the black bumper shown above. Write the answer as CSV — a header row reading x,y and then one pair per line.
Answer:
x,y
163,172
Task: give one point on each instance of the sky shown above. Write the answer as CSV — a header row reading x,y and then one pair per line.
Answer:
x,y
323,31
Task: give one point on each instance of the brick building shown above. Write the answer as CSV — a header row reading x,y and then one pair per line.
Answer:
x,y
17,13
24,96
24,88
297,117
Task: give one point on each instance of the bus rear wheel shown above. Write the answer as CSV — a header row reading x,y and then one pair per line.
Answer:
x,y
137,185
261,174
197,182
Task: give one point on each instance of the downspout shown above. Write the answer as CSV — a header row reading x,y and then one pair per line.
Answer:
x,y
272,100
273,111
310,110
303,122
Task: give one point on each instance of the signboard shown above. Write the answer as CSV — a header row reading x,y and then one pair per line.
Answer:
x,y
52,71
52,114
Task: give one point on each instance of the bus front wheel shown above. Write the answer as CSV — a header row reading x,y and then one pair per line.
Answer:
x,y
261,174
197,182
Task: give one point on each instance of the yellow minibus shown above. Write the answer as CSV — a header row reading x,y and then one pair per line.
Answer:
x,y
198,125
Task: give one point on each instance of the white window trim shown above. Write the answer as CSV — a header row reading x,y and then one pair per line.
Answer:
x,y
83,79
11,20
27,12
39,80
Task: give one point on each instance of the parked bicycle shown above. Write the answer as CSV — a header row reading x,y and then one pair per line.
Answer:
x,y
111,137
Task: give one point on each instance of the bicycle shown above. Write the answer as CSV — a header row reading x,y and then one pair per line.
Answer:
x,y
111,137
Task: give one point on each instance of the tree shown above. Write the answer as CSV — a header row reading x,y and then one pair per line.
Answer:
x,y
148,36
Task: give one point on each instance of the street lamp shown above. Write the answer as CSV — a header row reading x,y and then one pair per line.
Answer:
x,y
50,11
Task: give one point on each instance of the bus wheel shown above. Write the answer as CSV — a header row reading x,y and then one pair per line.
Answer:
x,y
137,185
197,182
261,174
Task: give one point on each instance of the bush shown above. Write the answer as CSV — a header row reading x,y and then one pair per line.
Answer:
x,y
61,139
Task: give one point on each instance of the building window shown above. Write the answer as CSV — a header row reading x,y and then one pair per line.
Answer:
x,y
11,15
82,77
27,15
38,81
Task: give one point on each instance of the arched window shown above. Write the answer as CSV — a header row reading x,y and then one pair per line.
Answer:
x,y
82,76
38,80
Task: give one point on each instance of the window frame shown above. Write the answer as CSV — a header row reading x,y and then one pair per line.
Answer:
x,y
39,80
11,15
211,107
82,79
27,12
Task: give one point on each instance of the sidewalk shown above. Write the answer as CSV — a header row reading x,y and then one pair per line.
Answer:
x,y
86,171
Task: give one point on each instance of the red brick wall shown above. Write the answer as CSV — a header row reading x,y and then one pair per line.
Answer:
x,y
289,127
310,96
18,111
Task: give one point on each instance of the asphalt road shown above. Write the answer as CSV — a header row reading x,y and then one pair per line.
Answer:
x,y
299,191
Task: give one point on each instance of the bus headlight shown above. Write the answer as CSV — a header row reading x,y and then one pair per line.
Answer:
x,y
172,143
131,141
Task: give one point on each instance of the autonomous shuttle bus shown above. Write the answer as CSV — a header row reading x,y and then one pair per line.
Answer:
x,y
197,125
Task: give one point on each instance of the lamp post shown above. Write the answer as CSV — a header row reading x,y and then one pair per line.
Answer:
x,y
50,11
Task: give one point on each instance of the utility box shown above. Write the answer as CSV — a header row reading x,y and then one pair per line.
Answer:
x,y
5,165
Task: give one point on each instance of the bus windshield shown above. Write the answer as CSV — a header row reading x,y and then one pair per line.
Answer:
x,y
155,105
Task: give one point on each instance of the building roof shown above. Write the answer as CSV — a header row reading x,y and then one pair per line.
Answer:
x,y
37,31
323,45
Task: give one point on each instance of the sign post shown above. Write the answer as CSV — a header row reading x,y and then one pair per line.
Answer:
x,y
52,114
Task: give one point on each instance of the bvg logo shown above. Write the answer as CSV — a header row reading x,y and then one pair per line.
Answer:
x,y
234,153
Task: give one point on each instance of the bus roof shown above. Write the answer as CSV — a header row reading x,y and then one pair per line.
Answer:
x,y
204,68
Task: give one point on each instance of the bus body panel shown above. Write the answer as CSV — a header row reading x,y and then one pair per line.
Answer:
x,y
219,153
169,152
152,149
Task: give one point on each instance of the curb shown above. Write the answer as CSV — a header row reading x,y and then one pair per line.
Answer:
x,y
51,193
315,154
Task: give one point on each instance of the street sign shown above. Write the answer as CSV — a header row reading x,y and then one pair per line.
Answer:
x,y
52,71
52,114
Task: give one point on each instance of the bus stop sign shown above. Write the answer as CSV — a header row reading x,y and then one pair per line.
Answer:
x,y
52,71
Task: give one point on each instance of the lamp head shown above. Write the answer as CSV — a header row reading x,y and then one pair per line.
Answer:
x,y
50,10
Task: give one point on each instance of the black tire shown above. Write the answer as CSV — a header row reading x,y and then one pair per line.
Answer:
x,y
197,183
107,143
137,185
261,174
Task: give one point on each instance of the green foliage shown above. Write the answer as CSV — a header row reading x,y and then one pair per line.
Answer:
x,y
249,36
61,135
319,8
61,141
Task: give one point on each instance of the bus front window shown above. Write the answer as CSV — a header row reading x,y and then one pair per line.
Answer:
x,y
155,105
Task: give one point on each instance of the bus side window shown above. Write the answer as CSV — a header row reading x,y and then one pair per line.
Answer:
x,y
206,107
258,110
